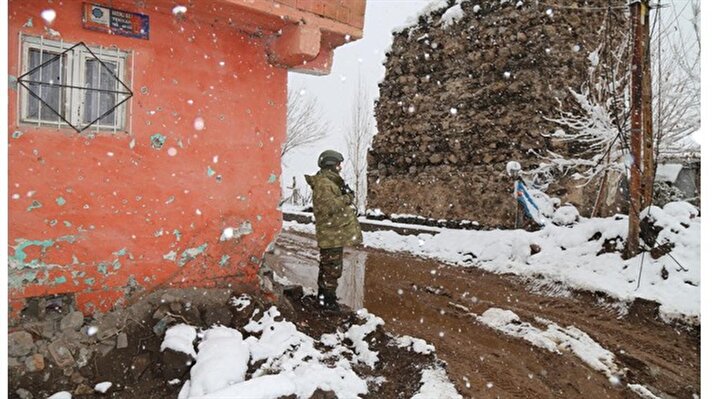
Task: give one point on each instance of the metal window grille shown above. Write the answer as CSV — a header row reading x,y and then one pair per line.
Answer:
x,y
73,86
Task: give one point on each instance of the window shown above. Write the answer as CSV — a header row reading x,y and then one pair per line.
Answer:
x,y
72,85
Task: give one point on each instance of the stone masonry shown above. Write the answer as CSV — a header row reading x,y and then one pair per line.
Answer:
x,y
461,99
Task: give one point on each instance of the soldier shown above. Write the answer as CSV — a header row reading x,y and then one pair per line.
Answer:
x,y
336,223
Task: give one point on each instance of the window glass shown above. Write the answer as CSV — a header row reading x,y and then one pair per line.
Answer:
x,y
51,74
96,102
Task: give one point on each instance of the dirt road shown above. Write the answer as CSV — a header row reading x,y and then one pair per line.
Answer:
x,y
436,302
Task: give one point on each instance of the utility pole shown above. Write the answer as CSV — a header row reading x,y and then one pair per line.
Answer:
x,y
638,12
648,157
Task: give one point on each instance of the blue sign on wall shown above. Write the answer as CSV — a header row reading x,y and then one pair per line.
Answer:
x,y
115,22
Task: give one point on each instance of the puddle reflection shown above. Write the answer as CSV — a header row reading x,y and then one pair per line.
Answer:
x,y
296,261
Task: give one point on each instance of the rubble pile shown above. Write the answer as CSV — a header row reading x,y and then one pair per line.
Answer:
x,y
467,89
56,348
143,351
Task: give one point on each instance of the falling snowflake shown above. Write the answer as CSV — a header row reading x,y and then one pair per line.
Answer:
x,y
549,12
172,151
48,15
507,75
179,10
199,123
453,111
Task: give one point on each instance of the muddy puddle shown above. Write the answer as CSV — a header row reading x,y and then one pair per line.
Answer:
x,y
438,303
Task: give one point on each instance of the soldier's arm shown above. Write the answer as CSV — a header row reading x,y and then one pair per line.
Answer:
x,y
332,201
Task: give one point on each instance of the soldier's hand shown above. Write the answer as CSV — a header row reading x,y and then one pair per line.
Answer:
x,y
347,190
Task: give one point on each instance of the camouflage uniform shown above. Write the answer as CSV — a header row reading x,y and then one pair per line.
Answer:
x,y
336,227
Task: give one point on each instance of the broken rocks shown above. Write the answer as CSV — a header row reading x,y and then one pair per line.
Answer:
x,y
83,389
20,343
122,341
175,364
217,315
35,363
139,365
62,356
24,394
73,321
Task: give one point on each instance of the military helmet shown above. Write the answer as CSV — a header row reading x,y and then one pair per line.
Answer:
x,y
330,158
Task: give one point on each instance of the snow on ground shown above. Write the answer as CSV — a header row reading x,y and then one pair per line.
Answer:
x,y
436,385
642,391
417,345
452,15
102,387
180,339
570,255
290,362
554,339
557,339
241,302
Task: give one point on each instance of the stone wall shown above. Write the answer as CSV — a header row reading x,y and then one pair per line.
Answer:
x,y
461,99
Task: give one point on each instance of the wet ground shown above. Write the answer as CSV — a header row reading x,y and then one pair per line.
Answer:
x,y
436,302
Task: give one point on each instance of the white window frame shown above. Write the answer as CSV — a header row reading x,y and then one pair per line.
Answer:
x,y
74,75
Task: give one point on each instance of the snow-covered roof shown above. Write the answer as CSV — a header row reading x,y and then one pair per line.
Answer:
x,y
668,172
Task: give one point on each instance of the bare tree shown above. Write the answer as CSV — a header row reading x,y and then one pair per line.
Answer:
x,y
675,54
305,122
597,125
298,196
599,121
359,135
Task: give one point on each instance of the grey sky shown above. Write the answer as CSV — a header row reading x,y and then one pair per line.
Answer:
x,y
335,91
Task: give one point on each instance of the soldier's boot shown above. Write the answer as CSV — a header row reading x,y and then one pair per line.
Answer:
x,y
330,268
328,300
